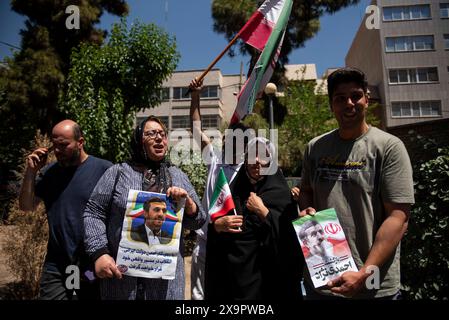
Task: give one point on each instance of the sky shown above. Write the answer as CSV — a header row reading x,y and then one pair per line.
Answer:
x,y
190,22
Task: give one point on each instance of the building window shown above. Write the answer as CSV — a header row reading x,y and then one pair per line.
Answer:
x,y
180,122
165,122
210,121
444,10
210,92
165,94
446,41
406,109
179,93
415,75
412,43
406,13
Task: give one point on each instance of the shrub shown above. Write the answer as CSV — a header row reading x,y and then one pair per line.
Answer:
x,y
26,247
425,255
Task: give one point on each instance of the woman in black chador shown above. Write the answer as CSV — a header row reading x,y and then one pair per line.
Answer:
x,y
255,254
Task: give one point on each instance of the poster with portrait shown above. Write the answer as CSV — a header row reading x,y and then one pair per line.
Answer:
x,y
324,246
151,232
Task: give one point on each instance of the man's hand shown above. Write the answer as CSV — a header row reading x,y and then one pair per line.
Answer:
x,y
105,267
36,160
307,211
349,283
256,205
231,224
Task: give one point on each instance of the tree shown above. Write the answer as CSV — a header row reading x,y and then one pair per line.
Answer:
x,y
107,85
32,81
36,74
308,116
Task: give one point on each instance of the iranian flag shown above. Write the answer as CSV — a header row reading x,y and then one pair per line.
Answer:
x,y
261,24
221,201
266,63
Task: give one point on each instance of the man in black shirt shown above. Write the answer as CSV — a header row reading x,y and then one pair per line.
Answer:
x,y
65,187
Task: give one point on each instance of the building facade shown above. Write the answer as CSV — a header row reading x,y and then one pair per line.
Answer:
x,y
406,57
218,99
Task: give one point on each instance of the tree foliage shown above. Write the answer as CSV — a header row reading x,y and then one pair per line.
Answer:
x,y
34,78
425,254
108,84
308,116
26,243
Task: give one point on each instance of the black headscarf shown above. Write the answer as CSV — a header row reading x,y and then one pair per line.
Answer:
x,y
264,260
157,178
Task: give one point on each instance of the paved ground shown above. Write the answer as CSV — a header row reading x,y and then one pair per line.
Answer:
x,y
187,265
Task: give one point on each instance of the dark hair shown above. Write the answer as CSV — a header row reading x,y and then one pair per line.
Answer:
x,y
77,132
146,204
308,224
346,75
137,150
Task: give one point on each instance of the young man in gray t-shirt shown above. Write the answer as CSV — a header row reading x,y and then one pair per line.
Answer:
x,y
366,175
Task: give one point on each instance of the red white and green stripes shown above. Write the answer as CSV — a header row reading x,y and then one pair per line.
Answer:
x,y
259,27
221,202
264,67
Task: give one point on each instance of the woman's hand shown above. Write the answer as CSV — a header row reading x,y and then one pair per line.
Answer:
x,y
295,193
105,267
177,194
256,205
231,224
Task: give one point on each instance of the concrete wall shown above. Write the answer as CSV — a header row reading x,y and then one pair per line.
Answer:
x,y
368,53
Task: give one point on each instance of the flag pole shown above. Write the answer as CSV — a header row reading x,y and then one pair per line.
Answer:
x,y
212,64
235,212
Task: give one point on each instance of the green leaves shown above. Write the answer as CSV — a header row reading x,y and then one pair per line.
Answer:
x,y
107,85
230,16
308,116
425,254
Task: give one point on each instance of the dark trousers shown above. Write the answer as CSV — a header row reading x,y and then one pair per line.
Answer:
x,y
53,287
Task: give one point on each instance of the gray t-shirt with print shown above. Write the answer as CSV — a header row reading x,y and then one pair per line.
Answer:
x,y
356,177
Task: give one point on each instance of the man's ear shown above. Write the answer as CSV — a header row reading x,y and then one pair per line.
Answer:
x,y
81,142
367,95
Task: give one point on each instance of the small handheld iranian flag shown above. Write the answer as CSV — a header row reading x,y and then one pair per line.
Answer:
x,y
221,201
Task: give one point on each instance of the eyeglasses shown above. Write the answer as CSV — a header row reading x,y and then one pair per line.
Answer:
x,y
152,134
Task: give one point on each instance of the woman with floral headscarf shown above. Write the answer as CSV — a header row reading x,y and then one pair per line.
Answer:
x,y
147,170
255,254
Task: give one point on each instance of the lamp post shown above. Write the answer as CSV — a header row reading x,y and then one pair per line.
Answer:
x,y
270,91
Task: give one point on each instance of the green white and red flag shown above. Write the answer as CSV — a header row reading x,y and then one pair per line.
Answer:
x,y
266,63
259,27
221,202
